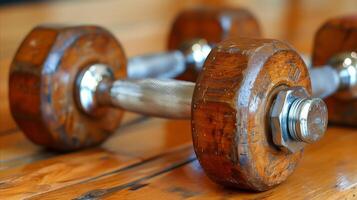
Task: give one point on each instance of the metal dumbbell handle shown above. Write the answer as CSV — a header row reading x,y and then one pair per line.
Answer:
x,y
324,81
169,98
161,98
169,64
340,74
161,65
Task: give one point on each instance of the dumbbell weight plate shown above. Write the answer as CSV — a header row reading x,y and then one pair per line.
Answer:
x,y
213,25
336,36
42,85
231,109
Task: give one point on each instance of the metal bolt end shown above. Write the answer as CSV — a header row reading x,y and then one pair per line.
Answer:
x,y
196,52
307,120
346,64
87,87
296,119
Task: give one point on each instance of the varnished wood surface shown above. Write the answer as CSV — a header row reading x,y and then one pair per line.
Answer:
x,y
237,85
151,158
167,168
41,100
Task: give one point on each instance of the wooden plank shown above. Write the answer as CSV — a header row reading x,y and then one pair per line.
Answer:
x,y
117,153
321,175
52,173
17,150
130,178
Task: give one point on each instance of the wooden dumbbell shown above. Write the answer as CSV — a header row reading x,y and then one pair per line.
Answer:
x,y
68,90
48,49
192,35
336,43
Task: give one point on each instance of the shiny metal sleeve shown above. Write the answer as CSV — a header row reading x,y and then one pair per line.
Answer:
x,y
163,65
160,98
324,80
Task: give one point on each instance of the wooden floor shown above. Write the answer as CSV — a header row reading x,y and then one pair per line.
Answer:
x,y
150,158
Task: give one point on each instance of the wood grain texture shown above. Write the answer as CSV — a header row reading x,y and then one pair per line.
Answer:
x,y
174,174
212,24
116,155
17,149
320,176
231,108
129,178
336,36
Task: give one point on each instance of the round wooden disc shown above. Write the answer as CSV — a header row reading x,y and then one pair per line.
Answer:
x,y
42,85
213,25
338,35
231,104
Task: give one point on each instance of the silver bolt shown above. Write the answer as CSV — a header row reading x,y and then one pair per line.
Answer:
x,y
307,120
346,64
296,119
196,52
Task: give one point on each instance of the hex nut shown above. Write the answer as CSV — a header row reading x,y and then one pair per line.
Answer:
x,y
279,119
